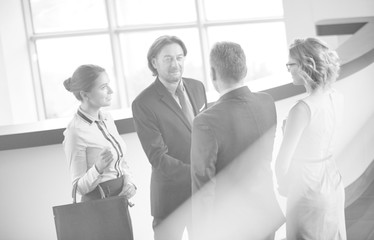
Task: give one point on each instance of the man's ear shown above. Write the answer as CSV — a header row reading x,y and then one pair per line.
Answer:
x,y
153,61
213,73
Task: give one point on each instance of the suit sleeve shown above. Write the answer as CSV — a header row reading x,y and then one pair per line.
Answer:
x,y
204,151
154,146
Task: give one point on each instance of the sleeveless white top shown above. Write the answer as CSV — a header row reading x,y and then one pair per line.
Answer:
x,y
315,205
318,139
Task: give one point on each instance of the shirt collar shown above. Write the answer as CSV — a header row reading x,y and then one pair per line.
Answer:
x,y
172,87
88,118
231,89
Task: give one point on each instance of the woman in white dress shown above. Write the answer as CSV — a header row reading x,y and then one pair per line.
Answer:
x,y
305,166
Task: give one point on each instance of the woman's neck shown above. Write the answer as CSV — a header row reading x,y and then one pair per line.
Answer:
x,y
318,90
93,112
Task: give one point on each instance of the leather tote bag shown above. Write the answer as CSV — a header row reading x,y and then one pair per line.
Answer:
x,y
102,219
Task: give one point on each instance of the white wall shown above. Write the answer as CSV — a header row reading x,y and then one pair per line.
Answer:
x,y
301,16
330,9
298,19
357,138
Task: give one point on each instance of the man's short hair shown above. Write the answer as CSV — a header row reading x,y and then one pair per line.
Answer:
x,y
228,59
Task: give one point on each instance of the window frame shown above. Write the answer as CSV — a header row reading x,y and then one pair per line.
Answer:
x,y
114,32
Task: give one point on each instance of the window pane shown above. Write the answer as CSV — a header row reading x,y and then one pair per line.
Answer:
x,y
68,15
135,48
239,9
265,47
58,59
132,12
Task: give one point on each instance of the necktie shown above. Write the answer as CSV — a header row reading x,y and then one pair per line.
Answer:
x,y
186,109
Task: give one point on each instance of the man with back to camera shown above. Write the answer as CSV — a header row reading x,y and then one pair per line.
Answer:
x,y
163,114
231,153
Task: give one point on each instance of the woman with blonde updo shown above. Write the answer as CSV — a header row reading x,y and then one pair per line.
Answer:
x,y
93,147
305,166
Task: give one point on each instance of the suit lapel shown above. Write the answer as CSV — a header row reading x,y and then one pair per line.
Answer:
x,y
170,102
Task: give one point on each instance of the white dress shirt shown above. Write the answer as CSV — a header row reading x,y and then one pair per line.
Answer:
x,y
85,137
172,88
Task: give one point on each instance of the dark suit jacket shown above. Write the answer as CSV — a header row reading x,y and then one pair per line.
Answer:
x,y
165,135
231,153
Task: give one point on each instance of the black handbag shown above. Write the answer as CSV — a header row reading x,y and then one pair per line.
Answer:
x,y
105,218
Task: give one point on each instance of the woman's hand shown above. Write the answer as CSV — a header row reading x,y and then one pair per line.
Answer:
x,y
128,190
104,160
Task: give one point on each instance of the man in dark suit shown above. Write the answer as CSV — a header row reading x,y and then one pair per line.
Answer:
x,y
163,114
231,154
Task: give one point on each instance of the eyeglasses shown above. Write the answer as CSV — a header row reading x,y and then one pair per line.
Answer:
x,y
288,65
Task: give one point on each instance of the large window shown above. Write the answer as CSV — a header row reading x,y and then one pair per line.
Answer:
x,y
116,35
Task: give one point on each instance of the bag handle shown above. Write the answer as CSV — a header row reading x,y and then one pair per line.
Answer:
x,y
75,188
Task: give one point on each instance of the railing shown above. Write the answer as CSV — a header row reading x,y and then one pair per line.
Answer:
x,y
358,51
